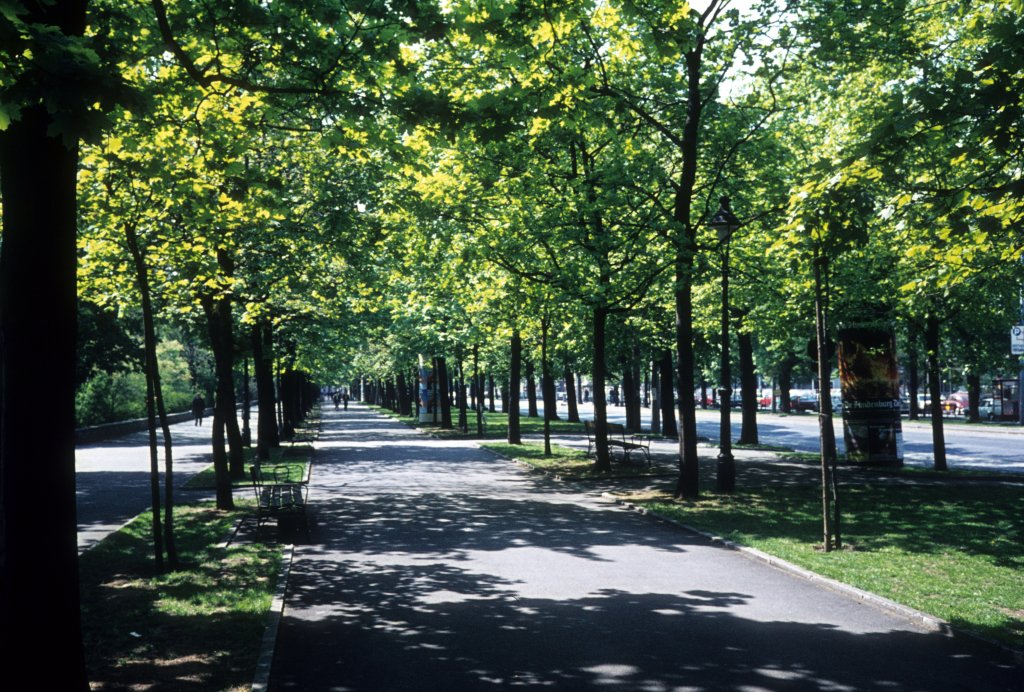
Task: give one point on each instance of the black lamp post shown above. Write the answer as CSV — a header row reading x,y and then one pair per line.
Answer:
x,y
725,222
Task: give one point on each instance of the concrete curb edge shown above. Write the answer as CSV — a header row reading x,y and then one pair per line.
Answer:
x,y
266,656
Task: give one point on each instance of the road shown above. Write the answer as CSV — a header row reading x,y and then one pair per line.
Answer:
x,y
112,477
982,448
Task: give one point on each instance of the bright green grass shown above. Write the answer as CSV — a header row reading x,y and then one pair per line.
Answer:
x,y
954,551
564,461
199,627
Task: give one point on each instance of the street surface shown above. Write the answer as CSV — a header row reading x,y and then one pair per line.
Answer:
x,y
436,565
112,477
997,448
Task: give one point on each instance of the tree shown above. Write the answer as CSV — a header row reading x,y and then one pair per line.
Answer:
x,y
51,81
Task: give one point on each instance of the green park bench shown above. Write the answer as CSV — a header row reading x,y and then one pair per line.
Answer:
x,y
281,498
617,437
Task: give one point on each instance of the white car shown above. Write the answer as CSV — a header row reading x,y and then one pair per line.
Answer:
x,y
990,408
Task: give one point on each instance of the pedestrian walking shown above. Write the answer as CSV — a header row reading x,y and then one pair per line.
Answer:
x,y
337,400
344,399
198,408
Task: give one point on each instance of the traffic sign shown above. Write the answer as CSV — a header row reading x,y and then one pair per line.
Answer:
x,y
1017,340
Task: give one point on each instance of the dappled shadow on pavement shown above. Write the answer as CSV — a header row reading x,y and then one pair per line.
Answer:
x,y
436,567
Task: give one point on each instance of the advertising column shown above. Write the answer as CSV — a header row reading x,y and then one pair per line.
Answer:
x,y
425,409
869,381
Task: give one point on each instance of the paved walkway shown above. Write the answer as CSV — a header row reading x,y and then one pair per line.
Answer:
x,y
438,566
112,477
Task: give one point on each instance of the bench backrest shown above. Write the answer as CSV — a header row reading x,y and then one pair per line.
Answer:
x,y
613,428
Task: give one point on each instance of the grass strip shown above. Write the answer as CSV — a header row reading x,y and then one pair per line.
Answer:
x,y
564,461
950,550
199,627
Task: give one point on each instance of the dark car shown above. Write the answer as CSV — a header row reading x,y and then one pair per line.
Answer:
x,y
804,402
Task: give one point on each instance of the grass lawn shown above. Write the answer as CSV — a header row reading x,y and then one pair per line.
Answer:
x,y
197,628
954,551
564,461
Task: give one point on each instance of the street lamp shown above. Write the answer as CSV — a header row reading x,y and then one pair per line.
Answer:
x,y
725,222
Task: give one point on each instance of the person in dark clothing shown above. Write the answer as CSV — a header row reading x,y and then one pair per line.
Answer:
x,y
198,408
344,399
336,399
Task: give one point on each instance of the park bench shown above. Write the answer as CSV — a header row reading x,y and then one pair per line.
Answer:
x,y
617,437
280,497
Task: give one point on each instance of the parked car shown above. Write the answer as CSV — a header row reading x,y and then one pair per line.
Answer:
x,y
804,402
990,408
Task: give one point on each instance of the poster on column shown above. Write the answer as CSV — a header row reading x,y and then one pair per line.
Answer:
x,y
869,380
426,382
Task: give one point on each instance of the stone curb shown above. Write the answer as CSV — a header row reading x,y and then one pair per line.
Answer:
x,y
269,641
265,660
921,619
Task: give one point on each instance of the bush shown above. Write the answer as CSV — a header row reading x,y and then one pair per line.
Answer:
x,y
109,397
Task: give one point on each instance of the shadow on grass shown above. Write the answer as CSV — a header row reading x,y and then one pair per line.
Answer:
x,y
197,628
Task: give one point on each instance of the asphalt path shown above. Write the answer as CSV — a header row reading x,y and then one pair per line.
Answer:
x,y
996,448
113,477
435,565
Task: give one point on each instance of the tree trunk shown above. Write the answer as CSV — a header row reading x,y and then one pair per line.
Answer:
x,y
603,460
668,409
404,400
236,453
912,373
490,392
287,396
548,384
263,370
222,403
246,404
748,388
461,395
570,397
629,396
531,390
829,490
478,377
786,383
973,396
39,594
688,485
154,396
444,387
931,336
511,399
655,399
637,403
